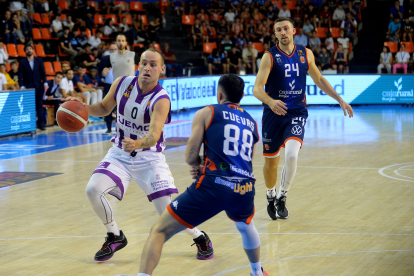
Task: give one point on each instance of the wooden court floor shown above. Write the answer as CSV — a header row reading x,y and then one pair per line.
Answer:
x,y
351,209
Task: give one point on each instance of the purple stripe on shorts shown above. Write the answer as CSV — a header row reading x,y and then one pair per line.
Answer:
x,y
121,137
116,179
119,85
162,193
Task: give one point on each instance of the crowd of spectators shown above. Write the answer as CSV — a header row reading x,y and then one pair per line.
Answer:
x,y
234,24
398,48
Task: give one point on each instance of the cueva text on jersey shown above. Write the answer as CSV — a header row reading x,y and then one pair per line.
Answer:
x,y
227,115
132,125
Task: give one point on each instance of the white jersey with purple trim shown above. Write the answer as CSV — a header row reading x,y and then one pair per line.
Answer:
x,y
135,111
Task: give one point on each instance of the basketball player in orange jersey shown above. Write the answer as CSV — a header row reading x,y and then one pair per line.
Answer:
x,y
143,107
283,70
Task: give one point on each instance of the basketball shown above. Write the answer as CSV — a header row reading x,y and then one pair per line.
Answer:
x,y
72,116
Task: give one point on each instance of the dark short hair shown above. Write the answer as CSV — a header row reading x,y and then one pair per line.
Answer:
x,y
82,29
156,51
87,45
232,86
83,66
66,28
98,31
2,64
59,73
281,19
13,62
27,46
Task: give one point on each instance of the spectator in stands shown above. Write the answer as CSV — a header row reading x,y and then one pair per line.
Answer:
x,y
260,55
17,28
68,22
3,82
352,9
311,14
308,28
226,43
297,15
82,38
66,85
401,60
66,46
82,81
249,55
178,6
257,16
338,15
14,73
217,60
111,7
349,26
169,60
329,43
214,15
300,38
411,10
332,5
140,29
153,30
230,15
223,29
88,59
41,5
95,41
272,41
315,43
205,30
27,23
394,28
76,13
95,78
109,29
196,31
53,94
324,60
32,75
263,30
237,27
7,29
76,45
202,15
407,28
245,16
325,17
3,56
241,41
129,31
10,83
340,59
89,13
284,12
397,10
57,27
344,41
317,3
234,60
251,30
385,60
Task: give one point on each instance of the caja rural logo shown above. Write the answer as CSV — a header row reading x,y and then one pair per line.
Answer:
x,y
393,95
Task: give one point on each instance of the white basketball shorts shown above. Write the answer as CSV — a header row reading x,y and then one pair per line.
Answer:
x,y
149,170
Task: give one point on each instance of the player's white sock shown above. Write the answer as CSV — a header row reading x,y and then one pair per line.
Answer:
x,y
292,148
143,274
256,268
271,192
112,227
194,233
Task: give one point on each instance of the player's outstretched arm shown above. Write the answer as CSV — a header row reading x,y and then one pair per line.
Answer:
x,y
277,106
324,85
158,118
200,122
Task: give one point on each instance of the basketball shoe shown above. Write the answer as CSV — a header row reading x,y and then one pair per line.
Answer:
x,y
281,210
204,247
264,272
111,245
271,208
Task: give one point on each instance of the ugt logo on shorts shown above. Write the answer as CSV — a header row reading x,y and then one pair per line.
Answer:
x,y
296,130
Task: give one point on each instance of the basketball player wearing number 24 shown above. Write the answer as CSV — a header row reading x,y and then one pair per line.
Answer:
x,y
283,70
143,107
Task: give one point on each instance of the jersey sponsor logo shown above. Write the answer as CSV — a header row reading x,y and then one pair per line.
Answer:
x,y
277,55
302,59
292,84
223,166
104,165
242,189
241,171
126,94
267,147
300,52
175,204
132,125
296,130
224,182
235,118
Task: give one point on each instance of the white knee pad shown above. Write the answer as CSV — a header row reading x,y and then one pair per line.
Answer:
x,y
88,97
250,237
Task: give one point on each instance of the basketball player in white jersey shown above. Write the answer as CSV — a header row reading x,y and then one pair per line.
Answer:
x,y
143,107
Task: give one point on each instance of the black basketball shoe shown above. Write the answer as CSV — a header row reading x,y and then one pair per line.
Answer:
x,y
281,210
111,245
271,208
204,247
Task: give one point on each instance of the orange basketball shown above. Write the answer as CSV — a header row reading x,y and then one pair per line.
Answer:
x,y
72,116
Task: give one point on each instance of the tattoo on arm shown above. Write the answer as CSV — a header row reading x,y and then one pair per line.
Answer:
x,y
149,141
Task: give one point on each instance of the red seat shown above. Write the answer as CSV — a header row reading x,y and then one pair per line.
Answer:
x,y
5,48
45,19
62,54
144,20
128,17
113,16
37,18
20,50
98,20
11,48
278,4
40,51
409,47
336,32
208,47
258,46
49,78
135,6
63,5
36,34
188,19
392,45
138,45
46,34
8,67
62,17
291,5
48,68
95,5
321,32
122,3
213,34
157,46
57,66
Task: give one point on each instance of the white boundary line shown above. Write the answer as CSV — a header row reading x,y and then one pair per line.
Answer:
x,y
310,256
402,168
381,172
140,235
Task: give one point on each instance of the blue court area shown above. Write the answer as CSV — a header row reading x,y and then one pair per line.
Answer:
x,y
325,126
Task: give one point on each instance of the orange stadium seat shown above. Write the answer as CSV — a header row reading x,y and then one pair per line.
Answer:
x,y
40,51
258,46
63,5
392,45
63,17
45,19
11,48
98,20
8,67
213,34
20,50
49,78
61,54
128,17
157,46
188,19
291,5
336,32
113,16
5,48
135,6
37,18
409,47
57,66
144,20
321,32
208,47
123,4
46,34
95,5
48,68
36,34
140,45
